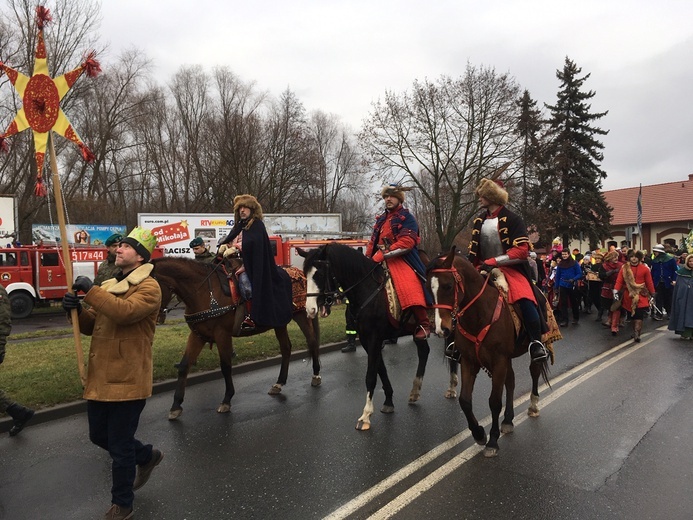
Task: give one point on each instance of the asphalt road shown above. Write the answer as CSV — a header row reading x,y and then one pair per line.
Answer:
x,y
612,442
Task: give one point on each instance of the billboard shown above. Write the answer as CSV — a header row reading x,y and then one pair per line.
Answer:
x,y
77,234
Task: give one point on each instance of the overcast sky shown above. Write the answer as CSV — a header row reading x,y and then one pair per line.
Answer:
x,y
341,55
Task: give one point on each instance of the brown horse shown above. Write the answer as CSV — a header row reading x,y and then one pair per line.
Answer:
x,y
484,337
213,315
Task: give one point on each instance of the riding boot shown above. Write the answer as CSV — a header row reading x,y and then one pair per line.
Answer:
x,y
21,416
537,350
248,323
423,327
637,327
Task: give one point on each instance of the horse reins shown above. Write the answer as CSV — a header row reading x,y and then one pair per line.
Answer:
x,y
457,315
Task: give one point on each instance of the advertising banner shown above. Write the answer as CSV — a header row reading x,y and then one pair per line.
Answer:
x,y
77,234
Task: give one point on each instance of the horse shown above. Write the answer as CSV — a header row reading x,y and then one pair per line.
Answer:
x,y
334,272
213,316
476,314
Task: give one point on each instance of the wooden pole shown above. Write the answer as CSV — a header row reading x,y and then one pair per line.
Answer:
x,y
66,259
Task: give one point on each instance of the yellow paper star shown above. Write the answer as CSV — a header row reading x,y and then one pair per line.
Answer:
x,y
41,96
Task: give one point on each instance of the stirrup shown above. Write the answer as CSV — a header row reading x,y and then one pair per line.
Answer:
x,y
248,323
541,352
452,353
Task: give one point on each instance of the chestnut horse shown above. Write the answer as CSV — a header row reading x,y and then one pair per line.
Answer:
x,y
334,272
484,337
211,313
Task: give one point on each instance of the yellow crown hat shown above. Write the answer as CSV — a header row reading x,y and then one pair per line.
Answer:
x,y
143,241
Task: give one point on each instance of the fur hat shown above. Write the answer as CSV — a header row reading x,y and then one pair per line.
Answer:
x,y
610,256
492,191
659,248
249,202
142,241
394,190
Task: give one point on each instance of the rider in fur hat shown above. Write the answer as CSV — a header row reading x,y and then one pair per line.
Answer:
x,y
269,286
499,239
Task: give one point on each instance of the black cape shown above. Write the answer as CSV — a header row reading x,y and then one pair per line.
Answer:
x,y
272,304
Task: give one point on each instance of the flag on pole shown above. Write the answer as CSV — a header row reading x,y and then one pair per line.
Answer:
x,y
640,213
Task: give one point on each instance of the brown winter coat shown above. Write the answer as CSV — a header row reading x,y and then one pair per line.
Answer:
x,y
121,321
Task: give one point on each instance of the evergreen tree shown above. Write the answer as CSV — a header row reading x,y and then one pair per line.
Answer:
x,y
529,127
569,193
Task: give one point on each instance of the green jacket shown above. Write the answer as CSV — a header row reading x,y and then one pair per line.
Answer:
x,y
107,269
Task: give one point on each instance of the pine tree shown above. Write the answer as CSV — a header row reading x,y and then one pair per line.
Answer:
x,y
569,192
529,128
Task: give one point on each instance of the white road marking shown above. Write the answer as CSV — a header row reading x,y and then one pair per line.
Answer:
x,y
436,476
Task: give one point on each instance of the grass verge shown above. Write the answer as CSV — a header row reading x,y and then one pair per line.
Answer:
x,y
41,371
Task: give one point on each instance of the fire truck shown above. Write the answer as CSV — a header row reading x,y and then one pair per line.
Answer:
x,y
285,249
35,275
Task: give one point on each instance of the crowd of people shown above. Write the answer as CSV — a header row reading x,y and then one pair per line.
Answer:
x,y
622,285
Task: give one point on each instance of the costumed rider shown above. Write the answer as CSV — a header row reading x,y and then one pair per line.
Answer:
x,y
395,239
265,287
201,251
108,268
499,239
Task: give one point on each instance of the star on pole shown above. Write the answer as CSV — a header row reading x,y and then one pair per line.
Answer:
x,y
41,96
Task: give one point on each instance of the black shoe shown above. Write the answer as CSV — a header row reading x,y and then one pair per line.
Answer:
x,y
575,322
349,347
20,416
614,333
657,317
145,470
563,324
537,351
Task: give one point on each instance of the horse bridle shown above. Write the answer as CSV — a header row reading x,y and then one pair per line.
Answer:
x,y
458,313
332,295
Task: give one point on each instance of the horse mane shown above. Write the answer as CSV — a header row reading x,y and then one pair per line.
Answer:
x,y
185,267
351,263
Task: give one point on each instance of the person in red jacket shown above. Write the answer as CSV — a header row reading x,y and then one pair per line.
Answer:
x,y
635,280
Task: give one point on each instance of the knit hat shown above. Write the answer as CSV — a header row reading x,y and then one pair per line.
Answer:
x,y
247,201
659,248
143,242
197,241
114,239
394,190
492,191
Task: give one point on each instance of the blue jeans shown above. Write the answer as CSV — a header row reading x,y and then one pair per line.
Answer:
x,y
112,426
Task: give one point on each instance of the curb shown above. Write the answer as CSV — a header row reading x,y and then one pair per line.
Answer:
x,y
65,410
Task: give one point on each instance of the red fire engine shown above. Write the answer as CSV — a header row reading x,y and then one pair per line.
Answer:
x,y
35,275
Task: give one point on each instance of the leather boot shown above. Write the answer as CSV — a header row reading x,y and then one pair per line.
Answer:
x,y
351,343
21,416
423,329
637,328
615,321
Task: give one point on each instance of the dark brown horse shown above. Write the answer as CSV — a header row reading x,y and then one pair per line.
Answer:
x,y
484,337
336,271
212,314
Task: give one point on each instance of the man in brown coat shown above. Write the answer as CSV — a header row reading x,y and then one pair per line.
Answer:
x,y
121,319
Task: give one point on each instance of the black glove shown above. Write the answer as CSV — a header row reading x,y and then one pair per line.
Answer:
x,y
72,301
82,283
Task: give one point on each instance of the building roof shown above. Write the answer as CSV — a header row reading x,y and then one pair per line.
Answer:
x,y
660,203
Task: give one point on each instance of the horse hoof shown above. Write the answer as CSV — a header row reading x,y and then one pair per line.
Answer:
x,y
450,394
490,452
363,426
387,409
224,408
275,390
316,381
533,412
414,397
174,414
507,428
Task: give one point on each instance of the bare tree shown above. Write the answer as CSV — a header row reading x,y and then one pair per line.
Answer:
x,y
442,137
